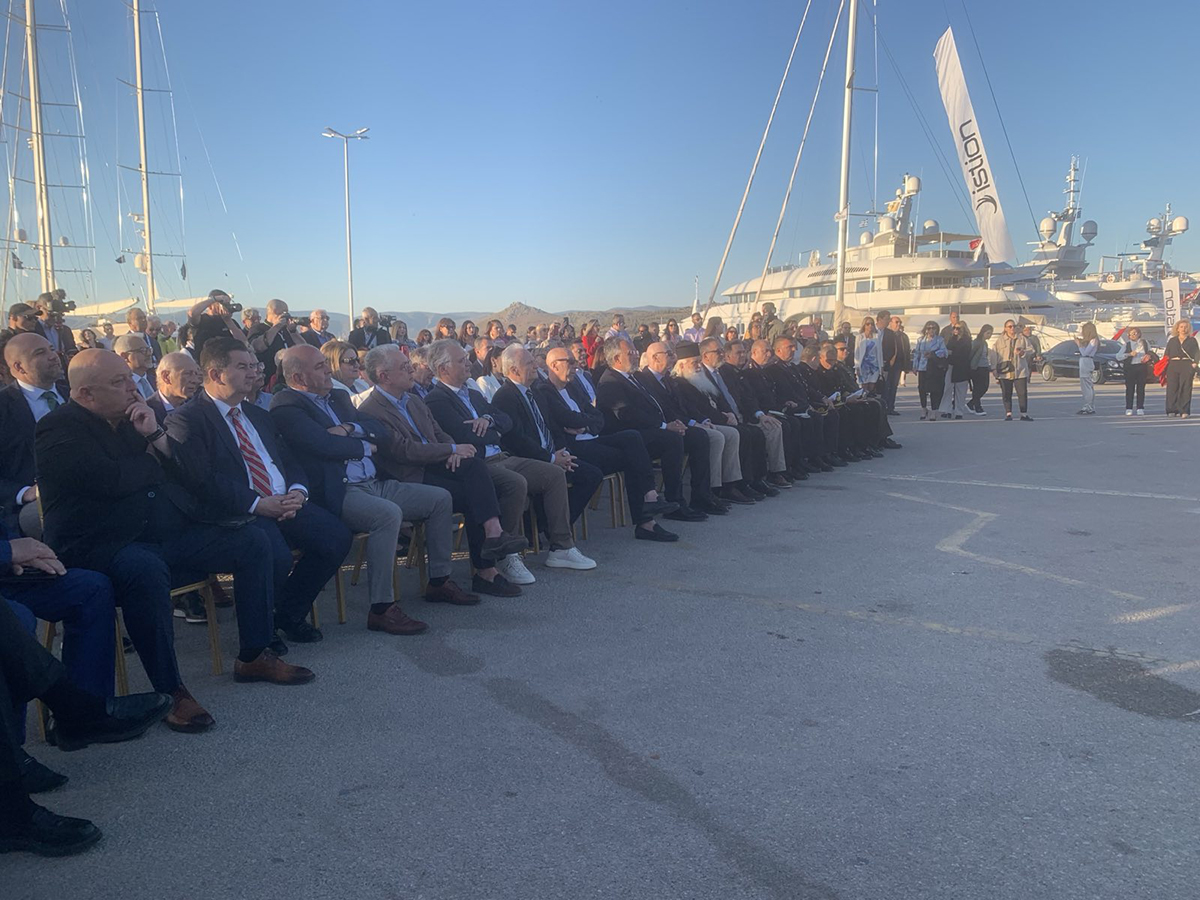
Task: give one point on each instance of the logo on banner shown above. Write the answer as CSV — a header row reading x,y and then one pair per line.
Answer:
x,y
978,177
1170,289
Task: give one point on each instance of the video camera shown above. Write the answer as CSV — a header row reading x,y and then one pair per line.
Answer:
x,y
387,321
56,302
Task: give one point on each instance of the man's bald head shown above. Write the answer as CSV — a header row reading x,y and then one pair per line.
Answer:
x,y
102,383
179,377
31,359
760,352
658,357
305,368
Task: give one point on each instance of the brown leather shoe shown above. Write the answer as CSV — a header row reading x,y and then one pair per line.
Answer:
x,y
267,666
394,621
186,714
449,592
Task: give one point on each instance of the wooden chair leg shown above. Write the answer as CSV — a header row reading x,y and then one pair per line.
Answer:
x,y
40,711
583,523
621,498
422,558
612,500
337,588
359,561
122,671
214,630
536,541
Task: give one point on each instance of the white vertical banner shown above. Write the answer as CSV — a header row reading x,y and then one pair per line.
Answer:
x,y
1170,289
977,171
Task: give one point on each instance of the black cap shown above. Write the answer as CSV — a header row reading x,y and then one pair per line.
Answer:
x,y
19,309
687,350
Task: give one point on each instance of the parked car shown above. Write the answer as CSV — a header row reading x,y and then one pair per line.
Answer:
x,y
1062,361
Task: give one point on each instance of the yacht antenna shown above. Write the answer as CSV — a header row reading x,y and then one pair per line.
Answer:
x,y
142,168
36,143
843,214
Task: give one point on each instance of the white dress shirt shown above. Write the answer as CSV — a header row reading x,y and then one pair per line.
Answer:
x,y
278,484
39,406
570,401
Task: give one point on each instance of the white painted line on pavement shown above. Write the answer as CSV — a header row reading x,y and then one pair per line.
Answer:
x,y
1056,489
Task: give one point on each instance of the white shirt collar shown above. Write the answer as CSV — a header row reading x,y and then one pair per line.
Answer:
x,y
222,407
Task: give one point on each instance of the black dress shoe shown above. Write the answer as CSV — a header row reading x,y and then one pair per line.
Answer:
x,y
687,514
124,719
710,506
892,412
797,475
659,507
502,546
497,587
47,834
835,462
37,778
765,489
821,465
278,647
301,632
891,444
657,533
733,495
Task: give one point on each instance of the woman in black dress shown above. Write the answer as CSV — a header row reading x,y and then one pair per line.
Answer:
x,y
1183,352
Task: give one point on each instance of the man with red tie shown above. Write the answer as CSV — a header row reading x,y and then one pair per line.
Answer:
x,y
238,465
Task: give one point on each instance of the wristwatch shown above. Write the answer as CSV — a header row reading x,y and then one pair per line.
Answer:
x,y
155,435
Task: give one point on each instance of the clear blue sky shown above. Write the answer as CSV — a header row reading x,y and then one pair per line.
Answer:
x,y
568,154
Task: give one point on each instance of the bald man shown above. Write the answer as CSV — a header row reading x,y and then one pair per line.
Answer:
x,y
110,506
270,338
318,331
179,379
36,370
139,357
370,334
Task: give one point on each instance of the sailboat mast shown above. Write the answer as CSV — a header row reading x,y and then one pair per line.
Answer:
x,y
41,188
844,192
143,169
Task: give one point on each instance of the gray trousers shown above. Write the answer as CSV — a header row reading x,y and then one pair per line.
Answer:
x,y
378,507
773,431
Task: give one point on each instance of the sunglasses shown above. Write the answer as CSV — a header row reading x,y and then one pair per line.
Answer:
x,y
351,362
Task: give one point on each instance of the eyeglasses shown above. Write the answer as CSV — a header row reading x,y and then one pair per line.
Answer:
x,y
352,361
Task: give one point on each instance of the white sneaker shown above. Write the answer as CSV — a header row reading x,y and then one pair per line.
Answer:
x,y
1129,412
1141,412
512,568
568,559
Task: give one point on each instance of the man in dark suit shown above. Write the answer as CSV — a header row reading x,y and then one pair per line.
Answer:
x,y
820,440
370,334
627,404
465,415
730,398
268,339
530,435
336,444
136,353
236,462
35,391
756,397
577,425
61,338
317,332
179,379
28,671
109,507
413,448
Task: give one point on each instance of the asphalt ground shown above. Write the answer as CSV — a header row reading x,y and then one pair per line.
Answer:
x,y
966,670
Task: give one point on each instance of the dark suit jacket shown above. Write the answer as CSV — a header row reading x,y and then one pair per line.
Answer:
x,y
665,394
522,439
402,454
211,463
743,395
624,405
323,455
559,416
358,338
787,386
889,348
696,405
99,487
760,387
451,414
160,411
16,451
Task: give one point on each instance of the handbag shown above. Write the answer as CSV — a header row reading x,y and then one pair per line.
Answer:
x,y
1007,366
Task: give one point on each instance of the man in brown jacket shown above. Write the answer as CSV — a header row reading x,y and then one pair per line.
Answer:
x,y
415,449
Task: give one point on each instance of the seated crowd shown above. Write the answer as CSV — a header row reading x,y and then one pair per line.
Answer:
x,y
136,464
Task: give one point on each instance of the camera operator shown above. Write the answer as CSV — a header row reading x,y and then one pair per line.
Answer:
x,y
51,306
268,339
213,317
370,334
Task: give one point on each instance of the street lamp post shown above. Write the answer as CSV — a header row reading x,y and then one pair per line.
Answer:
x,y
359,135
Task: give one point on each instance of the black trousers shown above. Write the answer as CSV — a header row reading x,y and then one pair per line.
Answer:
x,y
323,542
752,452
1135,384
582,482
668,447
793,442
622,451
1021,386
812,435
891,386
931,384
26,671
831,427
1179,386
981,380
473,495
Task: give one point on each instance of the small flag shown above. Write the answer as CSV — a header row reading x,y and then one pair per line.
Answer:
x,y
974,245
16,260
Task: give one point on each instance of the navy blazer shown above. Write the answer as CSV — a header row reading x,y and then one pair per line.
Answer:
x,y
625,405
522,439
665,394
211,462
450,413
786,383
562,416
99,487
304,426
16,451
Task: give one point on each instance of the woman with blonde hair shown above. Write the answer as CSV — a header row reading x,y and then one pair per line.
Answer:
x,y
868,355
1089,343
590,338
715,328
1182,353
345,367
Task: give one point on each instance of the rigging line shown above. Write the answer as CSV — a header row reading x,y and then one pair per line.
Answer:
x,y
9,171
803,140
956,187
174,127
754,168
875,35
84,171
1000,116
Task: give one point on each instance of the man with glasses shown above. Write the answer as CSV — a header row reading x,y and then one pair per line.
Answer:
x,y
370,334
138,356
138,323
23,317
317,332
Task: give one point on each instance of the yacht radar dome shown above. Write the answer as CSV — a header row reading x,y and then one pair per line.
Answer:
x,y
1088,230
1154,226
865,239
912,185
1046,228
931,226
1179,225
886,224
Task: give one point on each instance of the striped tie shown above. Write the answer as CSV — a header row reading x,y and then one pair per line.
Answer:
x,y
259,479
